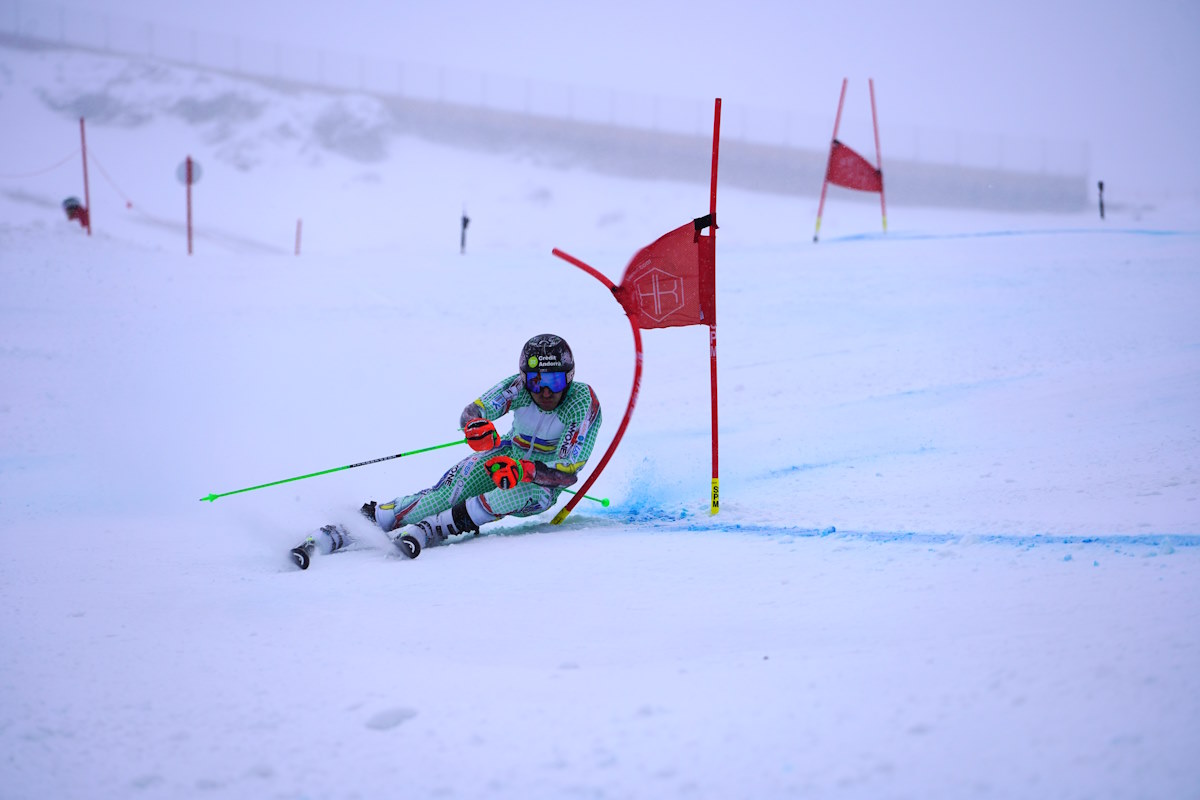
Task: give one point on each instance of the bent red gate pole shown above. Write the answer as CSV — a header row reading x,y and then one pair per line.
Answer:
x,y
878,157
715,501
633,395
825,184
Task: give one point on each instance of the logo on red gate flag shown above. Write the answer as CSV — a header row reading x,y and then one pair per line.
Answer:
x,y
671,281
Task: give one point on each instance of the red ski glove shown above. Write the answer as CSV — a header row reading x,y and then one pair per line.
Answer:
x,y
481,435
507,472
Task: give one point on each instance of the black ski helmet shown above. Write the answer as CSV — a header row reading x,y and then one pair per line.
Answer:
x,y
548,353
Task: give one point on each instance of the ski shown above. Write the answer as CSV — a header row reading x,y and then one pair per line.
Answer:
x,y
302,553
408,545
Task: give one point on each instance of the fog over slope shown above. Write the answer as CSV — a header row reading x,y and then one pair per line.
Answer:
x,y
1114,75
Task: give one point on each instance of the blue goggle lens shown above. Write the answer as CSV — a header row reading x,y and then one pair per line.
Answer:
x,y
554,381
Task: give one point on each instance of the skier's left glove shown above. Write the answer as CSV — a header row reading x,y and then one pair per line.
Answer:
x,y
507,472
481,435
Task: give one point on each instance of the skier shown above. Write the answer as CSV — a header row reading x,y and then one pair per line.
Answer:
x,y
555,423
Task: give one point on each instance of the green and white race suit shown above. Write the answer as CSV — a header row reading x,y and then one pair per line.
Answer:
x,y
559,442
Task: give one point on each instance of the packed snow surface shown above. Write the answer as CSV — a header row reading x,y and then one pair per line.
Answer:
x,y
958,550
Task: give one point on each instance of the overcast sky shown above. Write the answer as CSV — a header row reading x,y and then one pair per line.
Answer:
x,y
1124,76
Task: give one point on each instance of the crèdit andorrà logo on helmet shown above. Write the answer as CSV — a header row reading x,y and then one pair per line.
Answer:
x,y
547,352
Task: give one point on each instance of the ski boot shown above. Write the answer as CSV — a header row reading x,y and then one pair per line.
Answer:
x,y
406,543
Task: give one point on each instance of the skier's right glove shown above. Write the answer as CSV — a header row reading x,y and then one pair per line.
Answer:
x,y
481,435
507,472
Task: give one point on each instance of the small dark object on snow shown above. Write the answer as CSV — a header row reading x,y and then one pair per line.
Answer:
x,y
76,210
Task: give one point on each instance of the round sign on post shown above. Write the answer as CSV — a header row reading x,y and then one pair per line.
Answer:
x,y
181,172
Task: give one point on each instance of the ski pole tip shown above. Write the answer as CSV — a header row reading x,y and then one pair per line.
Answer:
x,y
210,498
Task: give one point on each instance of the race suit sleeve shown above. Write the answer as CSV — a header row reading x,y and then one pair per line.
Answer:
x,y
494,403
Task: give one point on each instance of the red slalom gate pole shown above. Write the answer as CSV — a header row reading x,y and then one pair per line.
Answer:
x,y
825,185
87,199
715,501
878,157
188,181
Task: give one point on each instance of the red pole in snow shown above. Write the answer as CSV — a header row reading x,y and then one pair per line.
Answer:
x,y
87,200
825,185
715,502
188,181
878,157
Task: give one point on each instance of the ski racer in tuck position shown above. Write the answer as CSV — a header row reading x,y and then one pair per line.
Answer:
x,y
555,423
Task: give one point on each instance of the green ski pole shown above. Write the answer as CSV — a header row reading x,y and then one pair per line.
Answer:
x,y
601,500
213,497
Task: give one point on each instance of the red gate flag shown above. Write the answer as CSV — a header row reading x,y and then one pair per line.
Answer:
x,y
671,282
847,168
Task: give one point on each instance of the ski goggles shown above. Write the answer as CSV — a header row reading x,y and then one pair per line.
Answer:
x,y
554,381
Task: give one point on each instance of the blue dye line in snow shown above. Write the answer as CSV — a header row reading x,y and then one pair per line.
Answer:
x,y
902,236
646,511
658,519
912,537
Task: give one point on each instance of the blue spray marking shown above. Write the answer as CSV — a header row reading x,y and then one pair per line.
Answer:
x,y
656,519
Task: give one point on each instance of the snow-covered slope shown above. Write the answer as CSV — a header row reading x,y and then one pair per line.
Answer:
x,y
957,551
